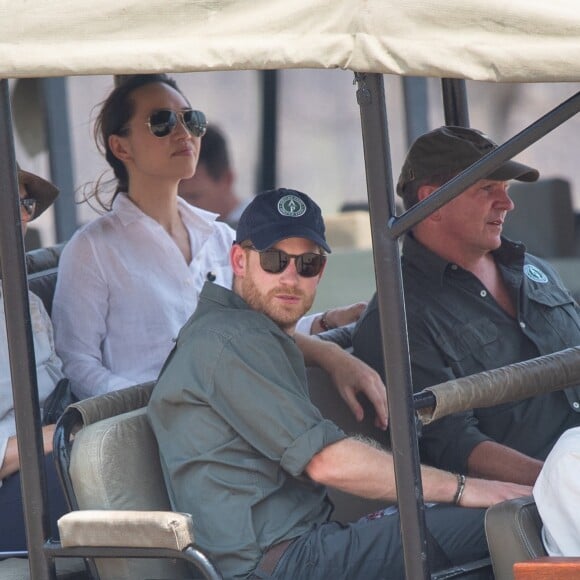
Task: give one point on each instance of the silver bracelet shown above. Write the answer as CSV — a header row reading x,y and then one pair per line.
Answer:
x,y
460,488
324,322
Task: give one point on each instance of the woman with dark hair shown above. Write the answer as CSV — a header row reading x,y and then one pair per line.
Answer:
x,y
129,280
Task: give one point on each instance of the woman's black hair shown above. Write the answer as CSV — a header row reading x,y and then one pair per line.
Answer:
x,y
115,113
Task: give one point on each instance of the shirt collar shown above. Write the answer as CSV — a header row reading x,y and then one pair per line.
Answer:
x,y
222,296
227,298
509,254
193,217
430,264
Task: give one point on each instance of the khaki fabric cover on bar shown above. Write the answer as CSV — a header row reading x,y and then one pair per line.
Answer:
x,y
496,40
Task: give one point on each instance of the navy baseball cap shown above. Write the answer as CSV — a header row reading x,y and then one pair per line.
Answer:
x,y
279,214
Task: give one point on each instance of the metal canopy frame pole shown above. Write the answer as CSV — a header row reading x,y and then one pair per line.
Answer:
x,y
55,97
416,107
455,102
21,350
269,133
371,99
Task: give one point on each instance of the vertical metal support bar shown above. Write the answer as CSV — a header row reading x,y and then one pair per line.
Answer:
x,y
21,351
455,102
269,135
60,154
416,106
387,259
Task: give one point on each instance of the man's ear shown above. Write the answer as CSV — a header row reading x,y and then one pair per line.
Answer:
x,y
230,178
118,147
238,260
425,191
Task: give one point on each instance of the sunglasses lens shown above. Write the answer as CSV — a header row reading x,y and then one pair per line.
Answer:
x,y
307,265
274,261
162,122
27,208
195,122
310,264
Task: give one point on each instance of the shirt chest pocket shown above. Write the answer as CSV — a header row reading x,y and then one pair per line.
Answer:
x,y
472,347
556,308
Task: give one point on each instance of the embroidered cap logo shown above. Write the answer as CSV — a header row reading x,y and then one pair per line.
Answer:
x,y
291,206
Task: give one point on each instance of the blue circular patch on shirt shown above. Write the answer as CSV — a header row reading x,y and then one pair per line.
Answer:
x,y
535,274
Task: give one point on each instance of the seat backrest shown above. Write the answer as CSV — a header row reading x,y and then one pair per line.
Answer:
x,y
323,393
513,529
42,268
115,465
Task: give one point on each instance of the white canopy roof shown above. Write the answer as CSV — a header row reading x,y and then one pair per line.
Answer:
x,y
497,40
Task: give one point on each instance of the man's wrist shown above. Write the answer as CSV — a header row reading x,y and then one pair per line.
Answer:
x,y
323,322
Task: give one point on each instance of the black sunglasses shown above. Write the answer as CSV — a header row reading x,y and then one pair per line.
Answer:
x,y
163,122
28,204
275,261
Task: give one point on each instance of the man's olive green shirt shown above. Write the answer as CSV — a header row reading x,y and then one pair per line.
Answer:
x,y
236,429
456,329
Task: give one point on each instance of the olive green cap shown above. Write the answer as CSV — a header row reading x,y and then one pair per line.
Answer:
x,y
452,149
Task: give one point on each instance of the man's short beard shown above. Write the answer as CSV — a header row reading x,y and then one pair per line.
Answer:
x,y
286,319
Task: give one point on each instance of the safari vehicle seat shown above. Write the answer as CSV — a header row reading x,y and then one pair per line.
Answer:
x,y
513,530
347,508
113,479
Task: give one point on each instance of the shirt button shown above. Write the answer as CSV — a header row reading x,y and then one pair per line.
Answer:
x,y
522,324
576,405
483,293
454,266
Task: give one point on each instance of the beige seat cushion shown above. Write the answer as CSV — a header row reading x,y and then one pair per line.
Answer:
x,y
115,466
126,528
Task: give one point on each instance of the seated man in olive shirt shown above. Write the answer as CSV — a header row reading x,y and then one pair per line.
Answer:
x,y
476,301
246,452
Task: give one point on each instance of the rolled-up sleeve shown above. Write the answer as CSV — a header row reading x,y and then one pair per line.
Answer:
x,y
257,391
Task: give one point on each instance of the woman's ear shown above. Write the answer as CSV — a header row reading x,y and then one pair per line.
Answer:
x,y
119,147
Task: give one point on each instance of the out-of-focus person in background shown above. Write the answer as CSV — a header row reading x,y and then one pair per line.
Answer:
x,y
212,186
36,195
